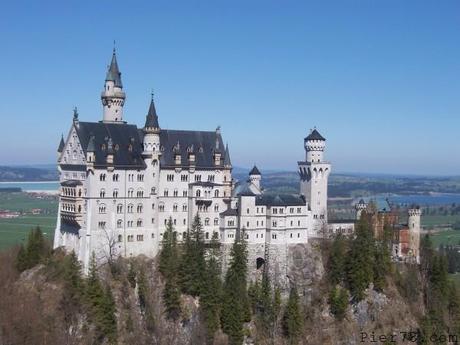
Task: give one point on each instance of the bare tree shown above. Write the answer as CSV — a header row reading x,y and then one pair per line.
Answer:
x,y
109,248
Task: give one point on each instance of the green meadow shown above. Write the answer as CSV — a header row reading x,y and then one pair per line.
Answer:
x,y
14,231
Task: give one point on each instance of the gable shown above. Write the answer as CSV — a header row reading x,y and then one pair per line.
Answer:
x,y
72,152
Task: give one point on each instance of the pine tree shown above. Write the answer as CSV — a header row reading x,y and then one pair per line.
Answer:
x,y
171,297
21,259
210,300
360,262
235,304
292,320
336,262
101,304
193,265
168,265
338,300
36,251
265,304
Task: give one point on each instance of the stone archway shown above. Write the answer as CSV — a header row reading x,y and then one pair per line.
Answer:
x,y
260,263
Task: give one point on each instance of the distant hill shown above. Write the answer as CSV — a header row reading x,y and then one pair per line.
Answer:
x,y
23,173
358,184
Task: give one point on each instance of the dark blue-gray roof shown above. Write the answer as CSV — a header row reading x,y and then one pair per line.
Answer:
x,y
113,73
280,200
314,135
61,144
254,171
126,143
201,143
151,119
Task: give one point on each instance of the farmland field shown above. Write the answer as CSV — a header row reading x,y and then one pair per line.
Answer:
x,y
25,202
445,237
14,231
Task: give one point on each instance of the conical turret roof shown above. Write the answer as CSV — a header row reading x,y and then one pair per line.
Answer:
x,y
227,161
61,144
113,73
254,171
314,135
151,120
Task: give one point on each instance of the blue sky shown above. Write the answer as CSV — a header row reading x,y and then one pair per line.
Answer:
x,y
379,79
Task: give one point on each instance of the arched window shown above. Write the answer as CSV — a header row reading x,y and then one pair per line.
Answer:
x,y
216,221
153,190
119,223
140,193
216,208
198,193
184,208
102,193
165,192
139,223
176,192
102,208
216,193
79,208
102,177
139,208
130,193
115,193
119,208
130,208
120,238
175,208
206,221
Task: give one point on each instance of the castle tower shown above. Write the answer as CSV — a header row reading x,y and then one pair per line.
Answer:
x,y
151,130
314,174
414,223
254,177
113,97
360,207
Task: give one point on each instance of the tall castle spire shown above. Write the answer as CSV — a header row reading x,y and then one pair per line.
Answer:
x,y
113,97
151,120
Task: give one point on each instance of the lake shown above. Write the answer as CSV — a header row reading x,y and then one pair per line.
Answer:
x,y
47,186
419,199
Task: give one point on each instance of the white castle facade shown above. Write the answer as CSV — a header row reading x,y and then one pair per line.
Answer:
x,y
120,185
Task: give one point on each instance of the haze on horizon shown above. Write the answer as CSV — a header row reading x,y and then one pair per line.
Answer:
x,y
380,80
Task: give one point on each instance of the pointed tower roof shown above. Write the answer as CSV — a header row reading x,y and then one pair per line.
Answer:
x,y
113,73
314,135
227,161
254,171
91,144
61,144
151,120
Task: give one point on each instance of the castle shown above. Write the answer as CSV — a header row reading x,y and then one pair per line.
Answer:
x,y
120,185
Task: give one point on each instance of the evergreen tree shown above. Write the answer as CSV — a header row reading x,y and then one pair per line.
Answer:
x,y
101,304
381,265
168,265
265,304
36,251
211,296
336,264
292,320
193,265
235,304
171,297
338,300
360,262
21,259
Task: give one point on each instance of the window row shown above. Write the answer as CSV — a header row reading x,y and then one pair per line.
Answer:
x,y
66,191
115,177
